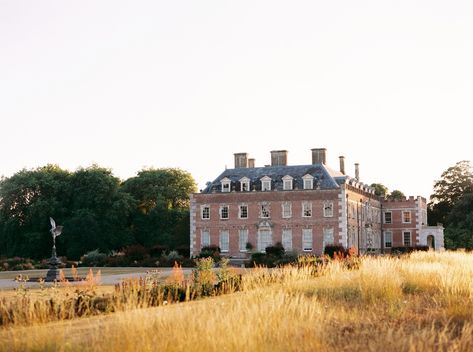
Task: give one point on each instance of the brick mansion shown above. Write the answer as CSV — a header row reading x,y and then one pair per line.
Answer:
x,y
305,208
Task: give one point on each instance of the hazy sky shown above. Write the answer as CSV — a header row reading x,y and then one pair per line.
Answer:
x,y
133,84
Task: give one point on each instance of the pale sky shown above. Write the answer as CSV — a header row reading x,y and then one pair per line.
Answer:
x,y
133,84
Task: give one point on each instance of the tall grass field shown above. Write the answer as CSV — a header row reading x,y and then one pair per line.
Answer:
x,y
420,302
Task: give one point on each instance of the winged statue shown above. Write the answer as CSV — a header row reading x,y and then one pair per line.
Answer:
x,y
55,230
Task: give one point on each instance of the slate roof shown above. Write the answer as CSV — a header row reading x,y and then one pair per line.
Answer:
x,y
324,177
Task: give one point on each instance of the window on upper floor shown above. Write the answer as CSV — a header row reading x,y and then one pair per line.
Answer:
x,y
406,217
243,211
205,211
287,183
265,211
388,217
226,184
266,183
306,209
286,210
224,212
244,184
308,181
328,210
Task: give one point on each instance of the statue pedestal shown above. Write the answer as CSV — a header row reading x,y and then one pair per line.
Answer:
x,y
53,272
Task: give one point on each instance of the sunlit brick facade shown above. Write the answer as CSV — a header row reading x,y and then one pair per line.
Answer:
x,y
304,207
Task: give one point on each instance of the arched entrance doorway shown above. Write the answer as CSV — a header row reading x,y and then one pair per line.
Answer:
x,y
431,241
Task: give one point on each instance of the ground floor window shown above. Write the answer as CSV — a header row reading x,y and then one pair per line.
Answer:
x,y
407,238
388,239
224,242
287,239
243,239
264,239
307,245
205,238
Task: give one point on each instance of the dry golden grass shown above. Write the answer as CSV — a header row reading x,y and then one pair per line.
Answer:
x,y
420,303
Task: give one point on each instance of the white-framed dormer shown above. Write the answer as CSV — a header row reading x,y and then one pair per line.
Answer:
x,y
287,183
265,183
226,184
308,181
244,184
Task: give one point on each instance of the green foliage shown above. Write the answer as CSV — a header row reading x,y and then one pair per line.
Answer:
x,y
93,258
380,189
95,208
212,251
277,250
459,233
454,183
335,250
396,195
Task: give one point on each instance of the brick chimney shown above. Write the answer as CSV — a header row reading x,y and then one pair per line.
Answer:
x,y
318,155
251,163
241,160
342,164
278,157
357,171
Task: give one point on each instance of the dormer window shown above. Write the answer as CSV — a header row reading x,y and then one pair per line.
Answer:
x,y
226,183
308,181
244,184
266,183
287,183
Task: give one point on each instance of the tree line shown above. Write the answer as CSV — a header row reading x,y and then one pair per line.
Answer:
x,y
97,210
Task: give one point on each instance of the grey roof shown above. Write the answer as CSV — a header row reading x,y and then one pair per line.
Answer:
x,y
324,178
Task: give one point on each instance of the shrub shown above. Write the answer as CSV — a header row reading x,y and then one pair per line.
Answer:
x,y
184,251
157,250
212,251
277,250
335,250
93,258
408,249
135,252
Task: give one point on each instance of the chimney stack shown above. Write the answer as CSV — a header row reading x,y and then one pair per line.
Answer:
x,y
241,160
318,155
357,171
342,164
251,163
279,158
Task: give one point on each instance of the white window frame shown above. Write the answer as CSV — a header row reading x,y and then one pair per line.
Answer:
x,y
226,185
388,234
204,238
244,184
243,239
391,217
263,242
287,183
328,209
410,217
286,214
240,212
286,239
307,237
265,183
222,207
306,209
328,236
404,233
308,181
202,212
224,239
265,208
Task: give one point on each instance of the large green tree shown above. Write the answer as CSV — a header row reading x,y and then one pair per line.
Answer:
x,y
162,213
27,200
454,183
99,213
380,189
459,232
